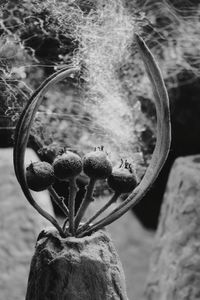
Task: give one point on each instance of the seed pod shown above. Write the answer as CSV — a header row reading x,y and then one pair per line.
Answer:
x,y
39,176
122,180
97,165
67,165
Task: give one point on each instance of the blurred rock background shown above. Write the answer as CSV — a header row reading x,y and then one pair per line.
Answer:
x,y
174,267
20,226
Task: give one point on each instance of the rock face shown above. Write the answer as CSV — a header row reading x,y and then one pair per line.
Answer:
x,y
72,268
134,246
175,264
20,225
185,112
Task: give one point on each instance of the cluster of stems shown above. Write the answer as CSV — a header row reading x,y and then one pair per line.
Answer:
x,y
75,224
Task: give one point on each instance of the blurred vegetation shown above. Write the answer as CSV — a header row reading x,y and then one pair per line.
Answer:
x,y
39,37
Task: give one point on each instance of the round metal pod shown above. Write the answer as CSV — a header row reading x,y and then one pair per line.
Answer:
x,y
97,165
39,176
67,165
122,180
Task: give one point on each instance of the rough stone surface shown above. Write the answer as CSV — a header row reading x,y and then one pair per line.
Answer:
x,y
71,268
134,246
20,225
175,265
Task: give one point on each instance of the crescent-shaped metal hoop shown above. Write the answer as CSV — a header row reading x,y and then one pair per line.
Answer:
x,y
162,142
22,133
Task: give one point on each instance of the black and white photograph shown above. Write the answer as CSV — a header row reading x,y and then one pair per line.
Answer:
x,y
99,150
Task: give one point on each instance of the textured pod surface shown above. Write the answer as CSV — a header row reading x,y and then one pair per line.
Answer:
x,y
97,165
39,176
122,181
75,269
175,264
67,165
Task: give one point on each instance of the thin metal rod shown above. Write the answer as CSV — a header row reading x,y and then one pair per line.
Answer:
x,y
85,203
98,213
58,201
71,203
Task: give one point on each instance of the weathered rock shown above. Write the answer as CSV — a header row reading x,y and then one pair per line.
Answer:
x,y
175,264
185,112
134,246
72,268
20,225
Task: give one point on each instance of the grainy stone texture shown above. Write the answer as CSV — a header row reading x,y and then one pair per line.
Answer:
x,y
71,268
19,225
134,246
175,264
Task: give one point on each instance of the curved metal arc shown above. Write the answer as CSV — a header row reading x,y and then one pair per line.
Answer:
x,y
22,135
33,100
163,138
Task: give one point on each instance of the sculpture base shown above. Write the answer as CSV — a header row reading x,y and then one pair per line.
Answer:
x,y
72,268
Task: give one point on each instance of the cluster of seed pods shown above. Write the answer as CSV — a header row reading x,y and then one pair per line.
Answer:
x,y
67,167
95,165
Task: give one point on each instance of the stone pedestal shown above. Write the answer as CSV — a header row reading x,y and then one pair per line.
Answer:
x,y
20,225
72,268
175,264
